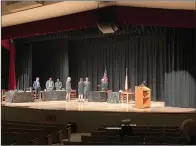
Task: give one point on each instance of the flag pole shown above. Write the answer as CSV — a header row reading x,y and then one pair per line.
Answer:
x,y
126,81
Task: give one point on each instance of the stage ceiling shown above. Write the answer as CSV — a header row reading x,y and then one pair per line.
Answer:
x,y
56,9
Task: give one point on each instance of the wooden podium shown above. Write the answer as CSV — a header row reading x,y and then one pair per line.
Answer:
x,y
142,97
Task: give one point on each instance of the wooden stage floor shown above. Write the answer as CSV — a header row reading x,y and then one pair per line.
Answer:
x,y
156,107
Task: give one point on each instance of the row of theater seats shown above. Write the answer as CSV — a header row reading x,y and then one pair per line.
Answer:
x,y
138,135
32,133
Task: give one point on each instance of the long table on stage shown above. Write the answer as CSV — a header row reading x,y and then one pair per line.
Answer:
x,y
96,96
113,97
92,96
53,95
20,96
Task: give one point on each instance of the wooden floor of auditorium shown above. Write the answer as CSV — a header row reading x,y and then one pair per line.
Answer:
x,y
156,107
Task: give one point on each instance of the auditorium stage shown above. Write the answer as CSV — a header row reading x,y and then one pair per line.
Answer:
x,y
156,107
89,115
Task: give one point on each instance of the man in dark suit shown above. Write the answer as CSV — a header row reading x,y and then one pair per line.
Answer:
x,y
37,87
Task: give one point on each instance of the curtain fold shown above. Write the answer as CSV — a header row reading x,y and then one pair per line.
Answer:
x,y
180,77
42,59
24,66
12,77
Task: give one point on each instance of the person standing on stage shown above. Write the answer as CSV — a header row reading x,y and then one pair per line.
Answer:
x,y
104,85
50,85
37,87
104,82
86,88
58,85
68,88
143,83
80,90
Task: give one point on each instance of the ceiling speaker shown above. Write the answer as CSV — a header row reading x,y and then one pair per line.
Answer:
x,y
107,27
107,20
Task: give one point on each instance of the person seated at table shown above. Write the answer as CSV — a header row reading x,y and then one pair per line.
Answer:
x,y
80,90
49,85
104,85
68,88
37,87
143,83
58,85
86,88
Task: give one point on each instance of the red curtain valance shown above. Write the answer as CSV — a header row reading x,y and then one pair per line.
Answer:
x,y
125,15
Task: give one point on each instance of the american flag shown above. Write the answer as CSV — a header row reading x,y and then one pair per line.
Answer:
x,y
105,77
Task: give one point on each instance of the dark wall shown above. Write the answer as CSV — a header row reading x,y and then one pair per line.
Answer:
x,y
4,67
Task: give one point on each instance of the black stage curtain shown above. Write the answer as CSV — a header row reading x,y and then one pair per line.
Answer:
x,y
4,67
24,66
142,55
180,64
41,59
164,57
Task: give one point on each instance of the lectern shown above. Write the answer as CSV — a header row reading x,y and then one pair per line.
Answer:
x,y
142,97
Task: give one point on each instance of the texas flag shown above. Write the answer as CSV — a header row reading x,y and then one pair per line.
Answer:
x,y
126,81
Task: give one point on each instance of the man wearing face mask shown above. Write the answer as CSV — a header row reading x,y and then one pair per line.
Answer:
x,y
58,85
49,85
